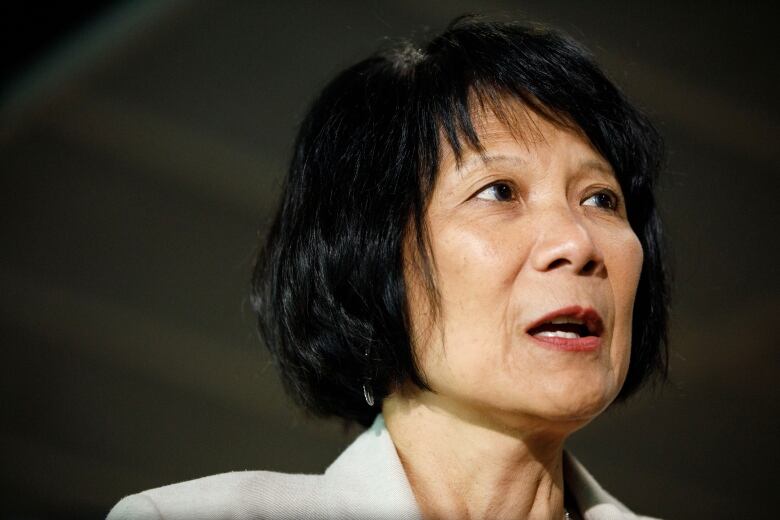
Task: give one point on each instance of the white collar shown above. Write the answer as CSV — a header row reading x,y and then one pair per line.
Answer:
x,y
368,480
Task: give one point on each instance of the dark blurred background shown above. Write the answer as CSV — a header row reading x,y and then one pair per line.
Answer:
x,y
141,148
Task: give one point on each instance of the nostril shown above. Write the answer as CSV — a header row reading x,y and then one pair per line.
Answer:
x,y
558,263
589,267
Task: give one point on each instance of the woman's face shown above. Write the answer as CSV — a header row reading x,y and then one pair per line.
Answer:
x,y
532,234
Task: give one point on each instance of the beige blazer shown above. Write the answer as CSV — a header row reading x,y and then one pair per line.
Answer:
x,y
366,481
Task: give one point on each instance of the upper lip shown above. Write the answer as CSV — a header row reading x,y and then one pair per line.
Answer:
x,y
587,315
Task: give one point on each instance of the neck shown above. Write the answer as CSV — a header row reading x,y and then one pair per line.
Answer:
x,y
473,469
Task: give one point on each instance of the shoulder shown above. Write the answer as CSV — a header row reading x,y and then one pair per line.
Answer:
x,y
242,494
365,481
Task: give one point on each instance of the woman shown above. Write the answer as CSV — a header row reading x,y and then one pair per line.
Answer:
x,y
467,259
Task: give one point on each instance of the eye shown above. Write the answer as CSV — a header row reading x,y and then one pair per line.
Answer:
x,y
605,199
499,191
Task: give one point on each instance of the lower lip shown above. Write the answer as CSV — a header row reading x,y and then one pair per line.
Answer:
x,y
586,344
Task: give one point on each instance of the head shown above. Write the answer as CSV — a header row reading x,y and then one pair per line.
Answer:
x,y
439,200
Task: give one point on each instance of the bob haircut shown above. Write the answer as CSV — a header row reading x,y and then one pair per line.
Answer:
x,y
328,285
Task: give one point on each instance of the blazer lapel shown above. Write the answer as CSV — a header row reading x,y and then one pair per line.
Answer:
x,y
368,480
593,501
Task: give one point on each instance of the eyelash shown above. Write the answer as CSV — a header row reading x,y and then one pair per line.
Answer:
x,y
494,186
613,198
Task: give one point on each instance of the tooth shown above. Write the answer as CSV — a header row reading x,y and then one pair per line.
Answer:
x,y
558,334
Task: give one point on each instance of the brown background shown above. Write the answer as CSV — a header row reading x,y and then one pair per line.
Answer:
x,y
141,151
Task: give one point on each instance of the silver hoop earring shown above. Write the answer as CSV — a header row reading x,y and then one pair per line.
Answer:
x,y
368,395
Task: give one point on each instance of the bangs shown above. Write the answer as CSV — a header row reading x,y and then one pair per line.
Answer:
x,y
461,128
478,67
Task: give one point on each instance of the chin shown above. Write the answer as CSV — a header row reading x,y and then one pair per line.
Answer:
x,y
579,402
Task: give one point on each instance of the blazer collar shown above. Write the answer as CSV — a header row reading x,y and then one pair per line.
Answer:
x,y
593,501
368,481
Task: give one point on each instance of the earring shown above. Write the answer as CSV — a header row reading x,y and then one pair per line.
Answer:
x,y
368,395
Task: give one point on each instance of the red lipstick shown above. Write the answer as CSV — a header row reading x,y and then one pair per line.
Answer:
x,y
576,329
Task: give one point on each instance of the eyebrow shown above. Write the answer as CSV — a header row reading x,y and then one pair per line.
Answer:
x,y
595,164
475,161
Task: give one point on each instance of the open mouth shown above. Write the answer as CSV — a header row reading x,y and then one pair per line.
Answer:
x,y
575,326
561,329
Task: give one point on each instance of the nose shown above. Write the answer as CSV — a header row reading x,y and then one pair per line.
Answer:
x,y
564,242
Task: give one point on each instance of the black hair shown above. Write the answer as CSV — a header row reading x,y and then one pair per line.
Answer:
x,y
328,285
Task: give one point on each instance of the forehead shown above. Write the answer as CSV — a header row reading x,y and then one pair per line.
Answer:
x,y
513,133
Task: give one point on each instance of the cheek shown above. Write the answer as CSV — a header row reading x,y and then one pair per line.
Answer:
x,y
624,274
474,259
623,258
475,270
469,267
633,257
419,305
